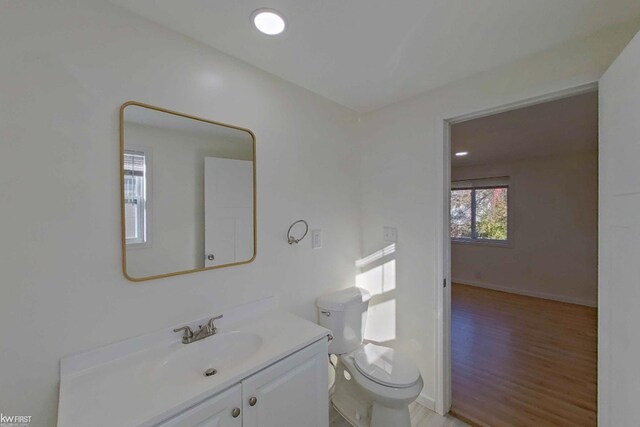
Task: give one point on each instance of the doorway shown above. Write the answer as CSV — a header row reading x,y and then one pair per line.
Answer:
x,y
523,343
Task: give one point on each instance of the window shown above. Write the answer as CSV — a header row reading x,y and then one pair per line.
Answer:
x,y
479,210
135,196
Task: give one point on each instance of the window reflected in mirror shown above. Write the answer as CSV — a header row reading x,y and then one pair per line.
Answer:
x,y
135,196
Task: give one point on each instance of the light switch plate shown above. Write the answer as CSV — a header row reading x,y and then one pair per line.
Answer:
x,y
390,234
316,239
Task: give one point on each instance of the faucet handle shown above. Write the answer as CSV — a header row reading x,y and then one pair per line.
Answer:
x,y
188,334
212,326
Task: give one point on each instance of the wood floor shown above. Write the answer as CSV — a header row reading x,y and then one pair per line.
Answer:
x,y
522,361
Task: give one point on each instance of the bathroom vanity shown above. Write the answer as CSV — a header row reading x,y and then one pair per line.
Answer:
x,y
267,371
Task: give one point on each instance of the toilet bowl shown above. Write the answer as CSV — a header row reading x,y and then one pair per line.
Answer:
x,y
379,382
389,379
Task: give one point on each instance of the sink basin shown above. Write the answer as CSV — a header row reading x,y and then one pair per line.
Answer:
x,y
185,363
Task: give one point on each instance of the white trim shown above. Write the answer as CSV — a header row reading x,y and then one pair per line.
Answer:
x,y
426,401
478,242
527,102
443,270
486,182
528,293
443,242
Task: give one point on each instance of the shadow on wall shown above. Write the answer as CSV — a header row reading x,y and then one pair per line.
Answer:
x,y
377,274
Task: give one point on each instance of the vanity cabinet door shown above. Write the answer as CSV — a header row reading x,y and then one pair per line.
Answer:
x,y
222,410
292,392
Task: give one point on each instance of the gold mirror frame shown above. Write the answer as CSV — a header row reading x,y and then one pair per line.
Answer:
x,y
122,202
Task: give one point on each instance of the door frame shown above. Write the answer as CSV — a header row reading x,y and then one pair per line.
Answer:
x,y
443,242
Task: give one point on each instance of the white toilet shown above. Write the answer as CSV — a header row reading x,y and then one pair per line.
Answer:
x,y
386,381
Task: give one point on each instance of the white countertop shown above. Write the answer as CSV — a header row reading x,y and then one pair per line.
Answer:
x,y
122,393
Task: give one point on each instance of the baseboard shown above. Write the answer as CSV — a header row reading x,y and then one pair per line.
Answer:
x,y
528,293
426,401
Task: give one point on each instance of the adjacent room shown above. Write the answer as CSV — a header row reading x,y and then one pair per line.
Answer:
x,y
524,255
333,213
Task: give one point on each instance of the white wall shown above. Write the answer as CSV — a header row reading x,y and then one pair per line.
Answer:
x,y
175,190
402,172
67,66
619,269
553,240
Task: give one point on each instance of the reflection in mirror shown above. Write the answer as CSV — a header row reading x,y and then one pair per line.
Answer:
x,y
188,193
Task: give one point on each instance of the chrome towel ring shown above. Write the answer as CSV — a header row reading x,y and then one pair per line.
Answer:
x,y
290,239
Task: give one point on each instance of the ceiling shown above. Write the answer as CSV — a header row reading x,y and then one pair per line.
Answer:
x,y
365,54
558,127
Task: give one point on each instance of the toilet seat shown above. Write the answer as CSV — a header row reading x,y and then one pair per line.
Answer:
x,y
386,366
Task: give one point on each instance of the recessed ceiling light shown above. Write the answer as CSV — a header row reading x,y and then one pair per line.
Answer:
x,y
268,21
462,153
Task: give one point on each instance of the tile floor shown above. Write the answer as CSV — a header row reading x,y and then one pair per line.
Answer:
x,y
420,417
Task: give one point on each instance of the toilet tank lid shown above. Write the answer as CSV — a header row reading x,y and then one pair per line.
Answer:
x,y
338,301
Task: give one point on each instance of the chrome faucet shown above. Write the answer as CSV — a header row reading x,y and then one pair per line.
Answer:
x,y
205,331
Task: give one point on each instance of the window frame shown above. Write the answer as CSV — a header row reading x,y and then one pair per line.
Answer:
x,y
148,156
474,240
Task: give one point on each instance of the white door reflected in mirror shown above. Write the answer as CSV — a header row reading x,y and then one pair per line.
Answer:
x,y
228,210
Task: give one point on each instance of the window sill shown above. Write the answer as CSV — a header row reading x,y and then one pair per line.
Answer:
x,y
505,244
135,246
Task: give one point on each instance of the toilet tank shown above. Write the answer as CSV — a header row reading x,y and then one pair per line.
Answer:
x,y
345,314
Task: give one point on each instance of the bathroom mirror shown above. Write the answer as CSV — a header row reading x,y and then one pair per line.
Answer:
x,y
188,193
